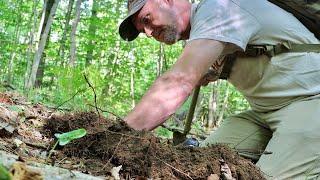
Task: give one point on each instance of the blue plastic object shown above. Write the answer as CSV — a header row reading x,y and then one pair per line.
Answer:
x,y
191,142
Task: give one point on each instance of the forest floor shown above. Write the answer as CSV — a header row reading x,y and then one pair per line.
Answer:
x,y
110,149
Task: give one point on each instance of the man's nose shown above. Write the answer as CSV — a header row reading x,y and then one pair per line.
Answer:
x,y
148,31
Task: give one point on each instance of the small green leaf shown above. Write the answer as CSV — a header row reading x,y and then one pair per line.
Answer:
x,y
4,174
65,138
63,142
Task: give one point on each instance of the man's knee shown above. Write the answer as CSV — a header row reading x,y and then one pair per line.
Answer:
x,y
295,155
242,133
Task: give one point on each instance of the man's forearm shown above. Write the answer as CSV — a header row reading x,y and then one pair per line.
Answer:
x,y
171,89
162,99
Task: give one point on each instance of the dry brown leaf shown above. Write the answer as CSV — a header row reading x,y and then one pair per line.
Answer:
x,y
213,177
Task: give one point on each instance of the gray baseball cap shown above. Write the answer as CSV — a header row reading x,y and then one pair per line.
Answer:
x,y
127,30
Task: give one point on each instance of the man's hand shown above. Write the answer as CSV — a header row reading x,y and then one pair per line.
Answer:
x,y
172,88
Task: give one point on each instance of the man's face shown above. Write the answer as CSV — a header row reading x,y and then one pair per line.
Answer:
x,y
156,19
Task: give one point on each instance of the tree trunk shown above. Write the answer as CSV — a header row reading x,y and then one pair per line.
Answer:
x,y
224,107
66,29
212,106
92,32
40,71
10,68
132,86
73,33
15,42
113,70
41,25
31,41
160,61
112,61
42,44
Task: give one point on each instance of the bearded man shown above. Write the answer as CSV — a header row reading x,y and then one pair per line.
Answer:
x,y
283,89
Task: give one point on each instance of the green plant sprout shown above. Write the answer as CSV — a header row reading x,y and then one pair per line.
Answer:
x,y
65,138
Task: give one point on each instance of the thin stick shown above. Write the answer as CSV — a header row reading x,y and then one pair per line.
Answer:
x,y
112,155
61,160
95,95
117,116
51,151
174,168
115,149
81,90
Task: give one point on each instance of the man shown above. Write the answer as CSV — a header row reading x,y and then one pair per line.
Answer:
x,y
283,90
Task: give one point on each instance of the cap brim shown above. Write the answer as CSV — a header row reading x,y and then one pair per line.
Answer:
x,y
127,30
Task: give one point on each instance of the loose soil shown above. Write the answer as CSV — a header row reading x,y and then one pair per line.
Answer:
x,y
110,143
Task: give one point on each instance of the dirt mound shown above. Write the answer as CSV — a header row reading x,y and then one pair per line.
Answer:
x,y
112,144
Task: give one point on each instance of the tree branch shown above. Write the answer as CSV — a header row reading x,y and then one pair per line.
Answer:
x,y
95,95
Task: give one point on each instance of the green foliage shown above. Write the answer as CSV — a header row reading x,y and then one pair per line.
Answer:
x,y
4,174
65,138
163,133
119,71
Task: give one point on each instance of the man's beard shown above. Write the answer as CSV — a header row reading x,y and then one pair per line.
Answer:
x,y
170,34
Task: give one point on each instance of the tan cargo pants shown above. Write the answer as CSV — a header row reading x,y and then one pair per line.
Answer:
x,y
291,134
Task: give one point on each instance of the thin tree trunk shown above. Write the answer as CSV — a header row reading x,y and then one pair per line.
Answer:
x,y
132,87
15,42
92,32
160,60
224,107
112,61
113,70
10,68
42,44
31,41
42,24
75,22
40,71
212,106
65,32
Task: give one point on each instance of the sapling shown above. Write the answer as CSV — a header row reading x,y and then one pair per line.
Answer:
x,y
65,138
